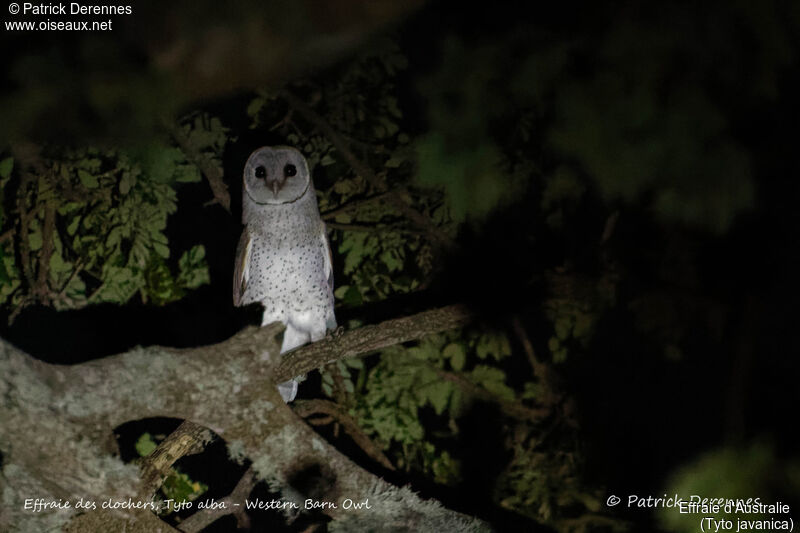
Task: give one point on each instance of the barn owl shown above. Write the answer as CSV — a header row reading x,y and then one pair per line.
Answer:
x,y
283,259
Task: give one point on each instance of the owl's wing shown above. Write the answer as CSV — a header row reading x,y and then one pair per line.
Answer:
x,y
241,270
328,256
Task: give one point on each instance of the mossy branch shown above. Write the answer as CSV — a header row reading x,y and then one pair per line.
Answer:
x,y
61,416
368,339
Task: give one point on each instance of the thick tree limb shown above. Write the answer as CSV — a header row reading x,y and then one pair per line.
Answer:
x,y
368,339
60,416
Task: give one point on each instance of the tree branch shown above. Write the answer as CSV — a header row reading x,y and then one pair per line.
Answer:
x,y
367,339
539,369
60,417
42,287
212,172
233,504
424,223
354,205
306,408
187,439
511,408
7,235
377,228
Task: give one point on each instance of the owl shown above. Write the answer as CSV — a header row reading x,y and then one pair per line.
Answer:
x,y
283,259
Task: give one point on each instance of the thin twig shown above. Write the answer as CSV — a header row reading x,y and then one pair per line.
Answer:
x,y
76,269
355,205
24,221
307,408
547,376
7,235
42,287
230,504
212,172
539,369
514,409
378,228
26,301
424,223
324,421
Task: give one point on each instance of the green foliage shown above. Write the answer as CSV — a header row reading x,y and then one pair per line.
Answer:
x,y
6,263
180,487
436,378
381,254
753,471
105,241
542,481
145,445
573,308
408,379
6,166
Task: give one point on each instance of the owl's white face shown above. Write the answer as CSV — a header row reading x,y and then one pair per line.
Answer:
x,y
276,175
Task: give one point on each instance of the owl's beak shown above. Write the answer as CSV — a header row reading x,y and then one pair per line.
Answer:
x,y
275,186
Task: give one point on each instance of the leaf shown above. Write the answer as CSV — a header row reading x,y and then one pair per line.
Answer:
x,y
493,380
6,166
180,487
187,174
563,327
255,106
352,297
493,345
354,362
392,260
89,181
161,249
532,390
126,182
72,227
145,445
456,354
438,395
35,237
193,268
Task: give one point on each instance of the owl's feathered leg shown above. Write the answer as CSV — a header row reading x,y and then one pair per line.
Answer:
x,y
288,390
292,338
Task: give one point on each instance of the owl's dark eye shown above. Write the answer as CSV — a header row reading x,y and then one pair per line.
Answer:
x,y
261,172
289,171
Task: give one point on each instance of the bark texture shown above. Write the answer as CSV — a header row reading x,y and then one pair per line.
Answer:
x,y
56,421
